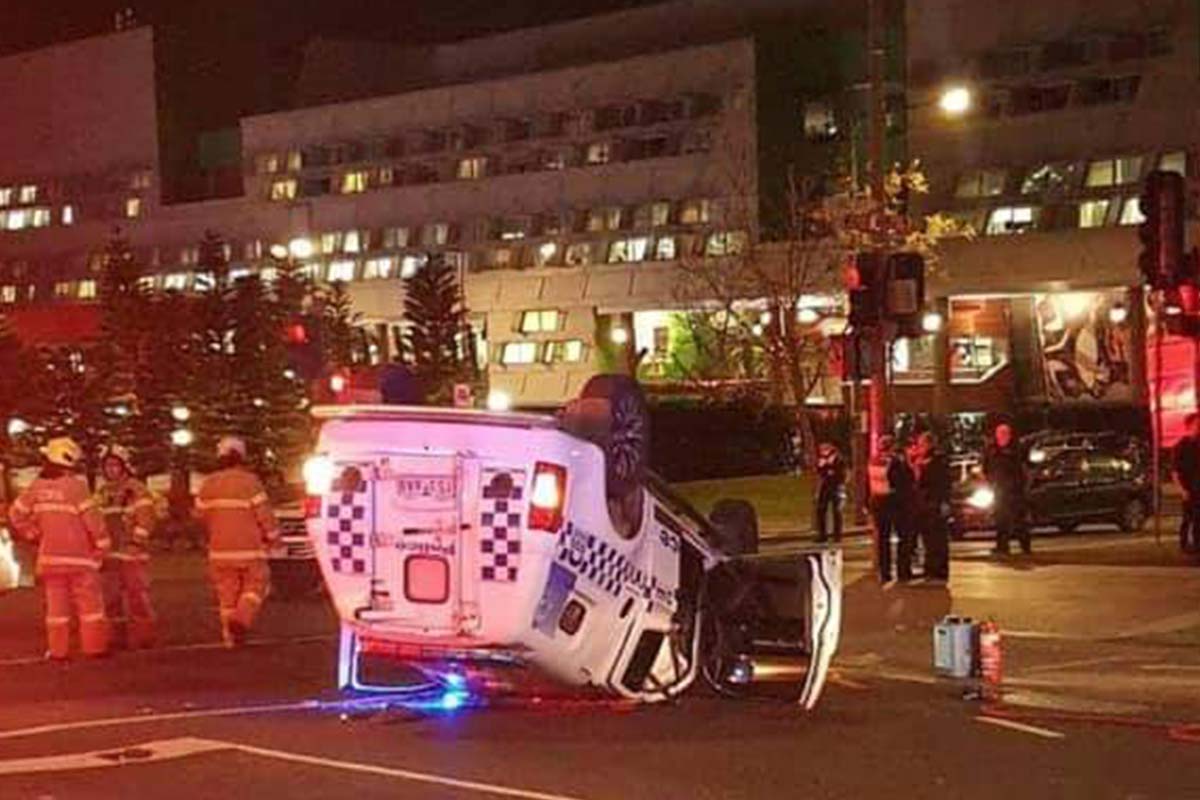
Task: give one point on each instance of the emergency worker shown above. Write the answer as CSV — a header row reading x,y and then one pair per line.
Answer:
x,y
831,474
1185,467
57,511
933,488
241,527
1004,467
128,510
891,489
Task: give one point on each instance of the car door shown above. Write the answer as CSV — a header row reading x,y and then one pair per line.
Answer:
x,y
1101,495
1056,490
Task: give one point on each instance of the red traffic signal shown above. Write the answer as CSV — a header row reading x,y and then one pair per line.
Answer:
x,y
297,333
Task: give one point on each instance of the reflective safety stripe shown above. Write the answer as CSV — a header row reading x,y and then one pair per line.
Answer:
x,y
110,511
97,617
104,544
44,507
258,499
120,556
206,505
19,505
253,597
84,506
236,555
58,620
145,502
66,561
141,533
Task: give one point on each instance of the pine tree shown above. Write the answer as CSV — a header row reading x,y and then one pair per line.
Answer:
x,y
436,321
119,359
212,388
19,392
337,326
174,379
75,393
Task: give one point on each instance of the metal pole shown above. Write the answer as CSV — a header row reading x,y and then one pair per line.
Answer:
x,y
1158,419
877,399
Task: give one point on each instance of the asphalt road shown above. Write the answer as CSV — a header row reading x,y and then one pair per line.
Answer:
x,y
1102,665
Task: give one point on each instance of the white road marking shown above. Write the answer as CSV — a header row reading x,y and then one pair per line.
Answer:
x,y
1045,733
1171,667
167,749
145,753
404,774
142,719
1083,662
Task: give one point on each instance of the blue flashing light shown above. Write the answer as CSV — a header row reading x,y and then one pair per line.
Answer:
x,y
455,681
452,701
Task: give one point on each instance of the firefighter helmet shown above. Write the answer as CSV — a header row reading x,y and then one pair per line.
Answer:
x,y
63,451
229,445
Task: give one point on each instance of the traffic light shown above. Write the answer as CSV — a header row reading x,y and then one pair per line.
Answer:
x,y
865,283
1161,259
302,337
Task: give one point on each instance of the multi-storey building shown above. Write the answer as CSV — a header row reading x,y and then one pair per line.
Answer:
x,y
1074,104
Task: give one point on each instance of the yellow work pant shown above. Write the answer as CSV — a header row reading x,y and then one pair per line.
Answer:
x,y
80,588
241,587
127,602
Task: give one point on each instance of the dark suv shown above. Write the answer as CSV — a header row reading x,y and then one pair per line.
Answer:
x,y
1076,485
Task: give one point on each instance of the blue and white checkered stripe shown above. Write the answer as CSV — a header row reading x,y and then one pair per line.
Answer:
x,y
502,505
602,564
347,531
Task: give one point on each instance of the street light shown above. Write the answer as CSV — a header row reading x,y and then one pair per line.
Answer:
x,y
808,316
17,426
300,248
619,335
181,413
498,400
182,437
955,101
1118,314
931,322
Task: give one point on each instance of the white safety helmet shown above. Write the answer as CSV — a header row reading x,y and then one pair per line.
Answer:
x,y
229,445
120,453
63,451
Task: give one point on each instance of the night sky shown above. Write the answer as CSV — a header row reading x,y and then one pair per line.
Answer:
x,y
250,48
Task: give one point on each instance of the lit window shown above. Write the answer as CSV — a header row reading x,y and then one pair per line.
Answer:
x,y
1131,212
68,215
253,250
572,351
410,265
1011,219
8,294
133,207
1048,177
594,221
283,189
331,242
436,234
268,274
354,182
386,176
556,159
64,289
177,281
518,353
379,268
981,183
1174,162
540,321
695,212
1092,213
599,153
87,289
725,243
39,217
660,214
472,168
501,258
268,163
395,237
140,180
6,194
625,250
148,283
1114,171
294,161
28,194
342,270
664,248
204,281
544,254
353,242
236,275
15,220
579,254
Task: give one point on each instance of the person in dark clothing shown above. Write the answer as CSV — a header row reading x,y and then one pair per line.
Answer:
x,y
933,487
882,505
831,473
903,482
1005,470
1185,468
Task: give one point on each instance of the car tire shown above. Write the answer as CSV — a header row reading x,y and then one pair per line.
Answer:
x,y
627,449
736,523
1133,516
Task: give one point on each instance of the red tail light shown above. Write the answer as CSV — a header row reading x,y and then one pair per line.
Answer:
x,y
547,497
312,506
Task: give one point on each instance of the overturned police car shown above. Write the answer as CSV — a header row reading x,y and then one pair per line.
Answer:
x,y
466,546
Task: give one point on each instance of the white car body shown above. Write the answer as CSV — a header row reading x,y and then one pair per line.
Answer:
x,y
436,554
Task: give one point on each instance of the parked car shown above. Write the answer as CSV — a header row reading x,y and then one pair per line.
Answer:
x,y
971,498
473,546
1078,485
294,569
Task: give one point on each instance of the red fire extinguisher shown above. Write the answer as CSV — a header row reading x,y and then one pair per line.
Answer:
x,y
991,660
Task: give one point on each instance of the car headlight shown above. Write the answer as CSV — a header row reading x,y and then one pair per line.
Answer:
x,y
982,498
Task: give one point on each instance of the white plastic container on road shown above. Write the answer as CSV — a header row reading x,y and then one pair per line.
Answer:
x,y
953,646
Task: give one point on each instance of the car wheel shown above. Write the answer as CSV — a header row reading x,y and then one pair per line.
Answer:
x,y
1133,516
627,449
736,522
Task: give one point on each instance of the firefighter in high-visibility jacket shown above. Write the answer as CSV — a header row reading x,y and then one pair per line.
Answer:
x,y
241,528
57,511
128,511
